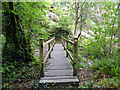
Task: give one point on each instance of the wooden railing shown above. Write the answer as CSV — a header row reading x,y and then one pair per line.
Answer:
x,y
73,57
50,43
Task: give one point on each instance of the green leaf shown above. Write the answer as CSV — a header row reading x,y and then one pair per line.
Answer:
x,y
13,12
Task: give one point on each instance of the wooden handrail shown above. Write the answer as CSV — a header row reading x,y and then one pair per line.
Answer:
x,y
42,59
46,57
71,57
75,52
47,42
68,41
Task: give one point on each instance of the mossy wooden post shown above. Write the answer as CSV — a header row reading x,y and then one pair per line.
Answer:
x,y
75,56
41,57
49,48
67,48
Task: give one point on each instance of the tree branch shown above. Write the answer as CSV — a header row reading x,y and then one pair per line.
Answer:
x,y
76,22
81,10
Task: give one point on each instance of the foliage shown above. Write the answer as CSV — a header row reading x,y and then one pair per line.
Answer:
x,y
28,26
100,43
33,16
24,73
103,83
109,66
63,24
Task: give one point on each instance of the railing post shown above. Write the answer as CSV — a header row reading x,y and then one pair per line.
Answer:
x,y
67,48
75,56
41,57
49,48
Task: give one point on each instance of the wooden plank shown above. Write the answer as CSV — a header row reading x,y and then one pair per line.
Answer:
x,y
59,77
59,73
59,80
59,68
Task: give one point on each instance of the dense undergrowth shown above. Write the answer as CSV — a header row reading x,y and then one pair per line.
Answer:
x,y
22,76
105,72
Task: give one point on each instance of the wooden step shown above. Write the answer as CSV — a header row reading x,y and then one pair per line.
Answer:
x,y
59,79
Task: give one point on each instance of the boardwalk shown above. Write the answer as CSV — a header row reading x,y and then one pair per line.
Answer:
x,y
59,68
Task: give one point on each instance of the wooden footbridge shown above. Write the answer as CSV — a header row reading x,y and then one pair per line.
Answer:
x,y
56,67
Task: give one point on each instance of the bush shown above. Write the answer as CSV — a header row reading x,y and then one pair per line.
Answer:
x,y
109,66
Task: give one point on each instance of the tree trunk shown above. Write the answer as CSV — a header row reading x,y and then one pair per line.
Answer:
x,y
16,47
76,21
